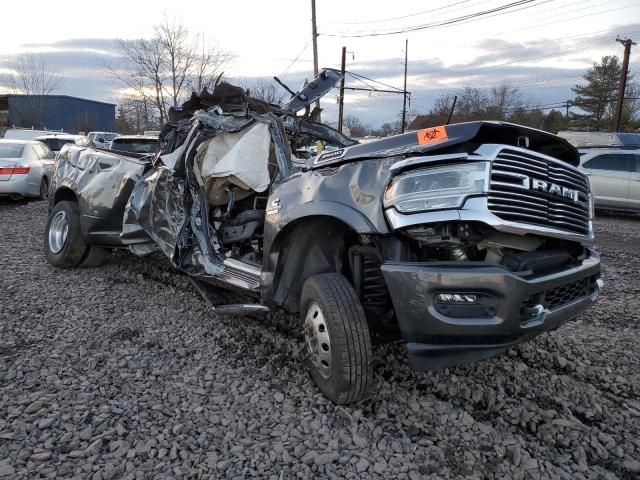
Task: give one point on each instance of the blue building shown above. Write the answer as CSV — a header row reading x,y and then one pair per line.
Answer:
x,y
56,112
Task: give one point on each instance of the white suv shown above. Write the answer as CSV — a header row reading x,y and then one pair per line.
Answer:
x,y
614,174
101,139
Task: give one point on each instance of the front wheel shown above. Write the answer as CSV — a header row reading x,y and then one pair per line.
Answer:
x,y
337,338
64,246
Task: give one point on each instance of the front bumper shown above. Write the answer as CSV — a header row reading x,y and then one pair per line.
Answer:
x,y
523,308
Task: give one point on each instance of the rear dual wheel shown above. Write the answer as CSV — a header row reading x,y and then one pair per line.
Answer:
x,y
64,245
337,338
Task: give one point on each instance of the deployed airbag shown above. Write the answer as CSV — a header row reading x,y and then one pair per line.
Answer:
x,y
243,155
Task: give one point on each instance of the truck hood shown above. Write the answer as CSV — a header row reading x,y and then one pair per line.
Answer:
x,y
461,137
314,90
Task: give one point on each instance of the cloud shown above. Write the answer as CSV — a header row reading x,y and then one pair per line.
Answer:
x,y
539,68
73,44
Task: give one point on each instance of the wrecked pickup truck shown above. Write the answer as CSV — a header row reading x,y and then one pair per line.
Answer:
x,y
463,240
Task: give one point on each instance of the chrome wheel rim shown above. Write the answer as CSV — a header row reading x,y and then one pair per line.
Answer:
x,y
58,232
316,334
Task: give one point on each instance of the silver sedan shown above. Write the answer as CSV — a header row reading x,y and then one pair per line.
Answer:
x,y
26,168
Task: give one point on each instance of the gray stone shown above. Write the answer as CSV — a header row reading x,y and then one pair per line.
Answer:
x,y
362,465
632,466
40,457
34,407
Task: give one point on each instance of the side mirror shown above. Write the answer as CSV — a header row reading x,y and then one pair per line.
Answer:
x,y
100,140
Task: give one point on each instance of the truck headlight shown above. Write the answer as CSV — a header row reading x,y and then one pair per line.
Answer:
x,y
436,188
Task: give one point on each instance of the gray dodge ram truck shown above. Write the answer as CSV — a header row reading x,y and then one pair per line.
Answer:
x,y
462,240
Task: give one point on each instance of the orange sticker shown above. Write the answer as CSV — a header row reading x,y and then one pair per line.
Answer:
x,y
431,135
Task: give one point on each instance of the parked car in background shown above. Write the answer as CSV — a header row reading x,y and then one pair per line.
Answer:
x,y
28,133
101,139
56,141
26,168
136,144
614,174
601,139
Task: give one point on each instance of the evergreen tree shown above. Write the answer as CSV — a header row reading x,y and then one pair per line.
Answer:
x,y
598,97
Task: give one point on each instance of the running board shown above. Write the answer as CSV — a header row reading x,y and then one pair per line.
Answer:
x,y
241,310
215,302
240,274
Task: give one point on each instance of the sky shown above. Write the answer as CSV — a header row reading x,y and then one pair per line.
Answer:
x,y
543,47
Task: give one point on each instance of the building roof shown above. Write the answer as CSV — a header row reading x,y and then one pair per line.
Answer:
x,y
7,95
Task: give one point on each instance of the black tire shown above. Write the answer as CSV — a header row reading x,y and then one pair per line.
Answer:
x,y
94,257
44,188
74,248
350,373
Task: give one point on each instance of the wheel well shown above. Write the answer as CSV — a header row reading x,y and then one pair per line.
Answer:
x,y
311,246
65,194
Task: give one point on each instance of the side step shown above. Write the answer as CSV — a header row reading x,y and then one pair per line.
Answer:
x,y
217,304
241,309
241,274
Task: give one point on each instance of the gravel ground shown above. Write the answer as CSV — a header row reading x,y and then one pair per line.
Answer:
x,y
122,372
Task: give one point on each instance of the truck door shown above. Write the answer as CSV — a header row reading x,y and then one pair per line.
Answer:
x,y
609,177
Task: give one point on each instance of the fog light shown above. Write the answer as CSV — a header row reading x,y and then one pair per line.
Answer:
x,y
457,298
466,305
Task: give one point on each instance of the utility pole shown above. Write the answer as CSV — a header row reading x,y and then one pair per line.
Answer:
x,y
341,105
314,39
453,107
623,80
404,92
567,105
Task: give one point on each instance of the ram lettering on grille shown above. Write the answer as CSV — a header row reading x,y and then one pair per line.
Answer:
x,y
531,189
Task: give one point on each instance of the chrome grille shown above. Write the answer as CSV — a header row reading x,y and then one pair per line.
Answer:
x,y
510,201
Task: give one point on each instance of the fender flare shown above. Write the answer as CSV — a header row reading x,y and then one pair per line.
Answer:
x,y
308,242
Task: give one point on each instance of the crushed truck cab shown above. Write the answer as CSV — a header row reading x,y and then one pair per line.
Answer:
x,y
460,240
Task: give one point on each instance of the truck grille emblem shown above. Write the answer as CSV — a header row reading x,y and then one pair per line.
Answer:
x,y
518,180
553,189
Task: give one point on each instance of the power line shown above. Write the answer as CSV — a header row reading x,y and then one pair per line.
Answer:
x,y
306,45
413,15
436,24
357,75
571,18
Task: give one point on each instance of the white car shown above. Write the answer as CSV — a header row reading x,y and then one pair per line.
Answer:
x,y
136,144
614,175
26,168
56,141
101,139
18,133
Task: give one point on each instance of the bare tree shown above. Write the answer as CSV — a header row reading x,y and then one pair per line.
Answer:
x,y
502,99
179,57
208,64
355,126
167,66
631,110
471,104
265,90
31,74
142,74
136,114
